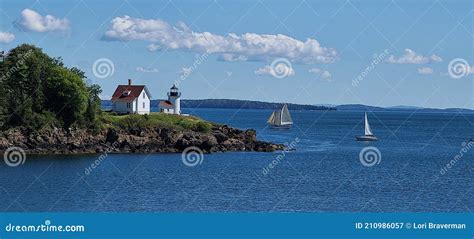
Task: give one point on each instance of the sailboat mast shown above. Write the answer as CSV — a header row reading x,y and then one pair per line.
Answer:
x,y
281,115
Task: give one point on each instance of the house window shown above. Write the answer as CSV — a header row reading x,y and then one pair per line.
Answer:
x,y
128,105
143,105
143,95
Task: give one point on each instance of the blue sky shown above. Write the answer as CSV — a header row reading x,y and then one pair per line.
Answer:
x,y
381,53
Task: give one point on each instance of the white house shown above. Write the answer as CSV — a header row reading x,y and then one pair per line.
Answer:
x,y
173,104
131,99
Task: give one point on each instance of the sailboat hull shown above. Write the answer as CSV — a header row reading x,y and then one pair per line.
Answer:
x,y
366,138
286,126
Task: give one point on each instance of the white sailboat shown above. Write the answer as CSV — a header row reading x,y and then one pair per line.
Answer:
x,y
369,136
280,118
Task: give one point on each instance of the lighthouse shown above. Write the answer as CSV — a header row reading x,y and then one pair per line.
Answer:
x,y
174,97
173,104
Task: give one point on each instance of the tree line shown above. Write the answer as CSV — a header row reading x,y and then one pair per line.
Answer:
x,y
38,91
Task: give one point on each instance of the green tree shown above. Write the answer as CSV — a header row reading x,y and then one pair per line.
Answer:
x,y
37,90
78,72
2,102
93,106
18,100
67,95
23,71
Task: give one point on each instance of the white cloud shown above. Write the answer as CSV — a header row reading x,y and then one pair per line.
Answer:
x,y
153,47
314,70
284,70
469,70
411,57
231,47
425,70
186,71
266,70
232,57
146,70
325,75
6,37
435,58
33,21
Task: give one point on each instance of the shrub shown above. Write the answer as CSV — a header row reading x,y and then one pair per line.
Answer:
x,y
202,127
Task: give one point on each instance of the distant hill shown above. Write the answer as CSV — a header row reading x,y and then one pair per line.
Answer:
x,y
405,107
234,104
359,107
247,104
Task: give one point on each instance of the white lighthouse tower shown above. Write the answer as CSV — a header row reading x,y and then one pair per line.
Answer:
x,y
174,97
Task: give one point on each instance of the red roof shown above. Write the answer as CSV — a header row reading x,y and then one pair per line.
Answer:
x,y
166,104
135,91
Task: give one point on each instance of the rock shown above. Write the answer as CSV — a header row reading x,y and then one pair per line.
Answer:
x,y
112,136
220,137
135,140
182,144
208,142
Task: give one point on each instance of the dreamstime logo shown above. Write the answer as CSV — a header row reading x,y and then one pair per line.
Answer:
x,y
192,156
458,68
17,66
289,147
103,68
88,170
14,156
46,226
465,148
377,59
187,71
370,156
281,68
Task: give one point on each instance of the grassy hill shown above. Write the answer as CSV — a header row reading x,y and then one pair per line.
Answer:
x,y
153,120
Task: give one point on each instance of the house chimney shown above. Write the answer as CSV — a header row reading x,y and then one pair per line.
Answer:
x,y
129,81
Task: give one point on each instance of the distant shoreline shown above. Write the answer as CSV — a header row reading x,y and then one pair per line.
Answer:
x,y
234,104
247,104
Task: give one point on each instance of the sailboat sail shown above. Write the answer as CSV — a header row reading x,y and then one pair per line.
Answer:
x,y
277,118
285,116
368,131
369,136
271,119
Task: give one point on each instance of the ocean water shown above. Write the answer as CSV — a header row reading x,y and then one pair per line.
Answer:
x,y
324,173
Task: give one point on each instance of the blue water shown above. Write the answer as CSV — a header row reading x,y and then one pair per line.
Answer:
x,y
323,174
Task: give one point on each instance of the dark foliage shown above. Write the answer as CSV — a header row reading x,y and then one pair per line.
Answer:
x,y
38,91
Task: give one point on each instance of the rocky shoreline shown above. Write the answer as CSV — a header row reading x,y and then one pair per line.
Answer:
x,y
221,138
